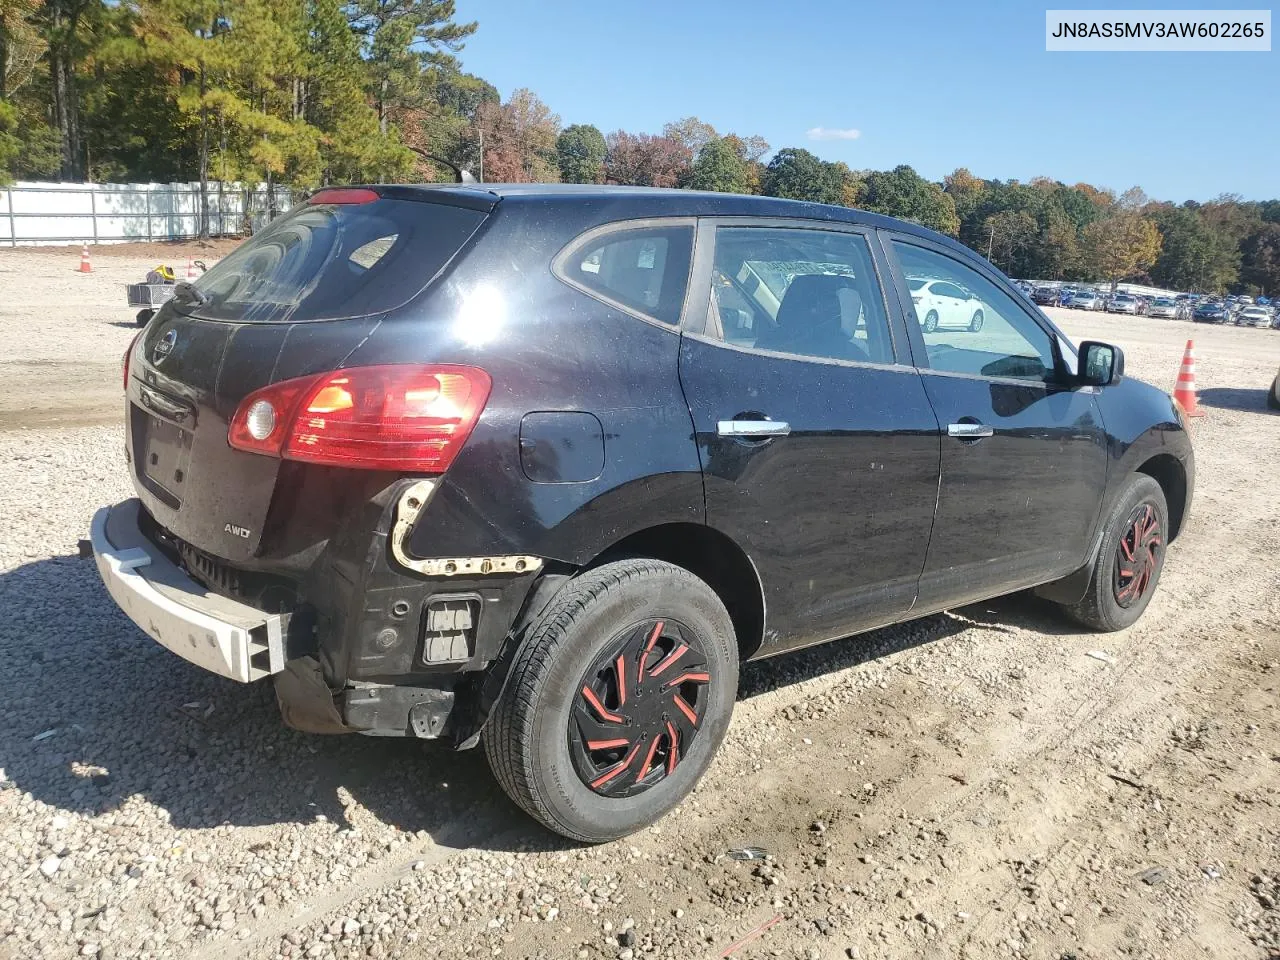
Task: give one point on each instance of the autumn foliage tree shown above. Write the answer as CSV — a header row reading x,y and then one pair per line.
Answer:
x,y
643,160
519,140
1121,246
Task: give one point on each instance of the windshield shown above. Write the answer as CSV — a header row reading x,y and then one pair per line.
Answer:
x,y
1164,303
333,261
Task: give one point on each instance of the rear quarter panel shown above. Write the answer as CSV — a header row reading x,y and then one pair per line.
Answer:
x,y
547,347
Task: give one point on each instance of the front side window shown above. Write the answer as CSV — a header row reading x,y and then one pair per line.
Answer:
x,y
643,269
811,293
976,328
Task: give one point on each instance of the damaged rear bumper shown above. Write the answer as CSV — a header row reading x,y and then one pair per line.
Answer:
x,y
217,633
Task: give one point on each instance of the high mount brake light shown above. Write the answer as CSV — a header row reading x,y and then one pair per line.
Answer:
x,y
392,417
343,195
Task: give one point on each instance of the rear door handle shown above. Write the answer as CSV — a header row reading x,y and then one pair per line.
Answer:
x,y
969,431
753,429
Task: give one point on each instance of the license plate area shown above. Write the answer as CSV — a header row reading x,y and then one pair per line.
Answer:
x,y
165,457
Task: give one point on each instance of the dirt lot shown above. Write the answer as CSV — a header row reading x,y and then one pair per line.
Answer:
x,y
990,782
66,331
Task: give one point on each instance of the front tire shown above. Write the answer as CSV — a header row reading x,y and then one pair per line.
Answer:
x,y
1129,561
1273,396
975,324
616,701
144,317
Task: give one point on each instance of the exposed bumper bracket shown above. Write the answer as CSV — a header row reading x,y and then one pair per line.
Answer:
x,y
413,500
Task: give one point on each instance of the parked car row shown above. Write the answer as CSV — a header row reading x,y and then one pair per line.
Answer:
x,y
1240,309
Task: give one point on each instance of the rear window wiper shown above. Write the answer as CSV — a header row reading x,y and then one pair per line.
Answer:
x,y
187,293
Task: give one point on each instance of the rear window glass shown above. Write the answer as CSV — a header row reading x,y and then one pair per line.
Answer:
x,y
333,261
643,269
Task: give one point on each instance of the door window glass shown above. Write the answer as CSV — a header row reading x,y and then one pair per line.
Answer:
x,y
813,293
969,324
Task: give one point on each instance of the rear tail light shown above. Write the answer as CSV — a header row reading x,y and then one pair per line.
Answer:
x,y
393,417
128,355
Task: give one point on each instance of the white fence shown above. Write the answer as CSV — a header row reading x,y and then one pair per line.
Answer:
x,y
51,213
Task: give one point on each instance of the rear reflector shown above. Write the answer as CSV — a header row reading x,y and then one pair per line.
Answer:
x,y
393,417
343,195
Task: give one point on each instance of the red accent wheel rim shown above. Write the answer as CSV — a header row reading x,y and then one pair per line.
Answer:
x,y
1138,556
639,708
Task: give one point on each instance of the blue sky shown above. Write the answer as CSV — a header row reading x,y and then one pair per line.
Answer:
x,y
934,85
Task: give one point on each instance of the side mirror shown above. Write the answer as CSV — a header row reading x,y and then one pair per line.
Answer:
x,y
1100,364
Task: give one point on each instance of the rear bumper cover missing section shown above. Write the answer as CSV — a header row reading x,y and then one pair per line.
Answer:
x,y
225,637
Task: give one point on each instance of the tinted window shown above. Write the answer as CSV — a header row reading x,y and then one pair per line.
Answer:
x,y
332,261
645,270
988,335
808,292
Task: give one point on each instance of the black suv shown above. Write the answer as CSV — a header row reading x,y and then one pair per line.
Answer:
x,y
539,466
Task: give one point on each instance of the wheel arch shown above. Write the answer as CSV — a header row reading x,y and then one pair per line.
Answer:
x,y
711,556
1168,471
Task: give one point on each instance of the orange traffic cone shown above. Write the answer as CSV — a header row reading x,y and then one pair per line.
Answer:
x,y
191,269
85,265
1185,389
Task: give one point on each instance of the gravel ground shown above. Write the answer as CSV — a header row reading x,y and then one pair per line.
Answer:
x,y
990,782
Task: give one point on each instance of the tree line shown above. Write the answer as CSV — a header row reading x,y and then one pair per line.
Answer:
x,y
309,92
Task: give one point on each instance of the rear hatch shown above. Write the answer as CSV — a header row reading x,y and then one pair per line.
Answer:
x,y
293,301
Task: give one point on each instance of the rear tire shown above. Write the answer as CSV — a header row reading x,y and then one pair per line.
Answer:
x,y
1273,395
534,738
976,323
144,317
1129,561
931,321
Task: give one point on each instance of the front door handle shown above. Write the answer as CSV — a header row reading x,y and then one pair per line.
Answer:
x,y
969,431
753,429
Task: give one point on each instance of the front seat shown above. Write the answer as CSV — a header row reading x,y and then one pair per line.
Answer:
x,y
809,320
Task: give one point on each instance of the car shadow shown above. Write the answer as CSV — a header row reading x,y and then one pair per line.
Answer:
x,y
99,713
1235,398
125,325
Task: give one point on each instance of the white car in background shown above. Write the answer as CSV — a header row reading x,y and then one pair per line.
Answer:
x,y
1163,307
941,303
1254,317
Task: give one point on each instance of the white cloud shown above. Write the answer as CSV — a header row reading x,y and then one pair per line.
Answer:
x,y
833,133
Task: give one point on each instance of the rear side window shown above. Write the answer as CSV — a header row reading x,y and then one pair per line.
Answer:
x,y
334,261
802,291
643,269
